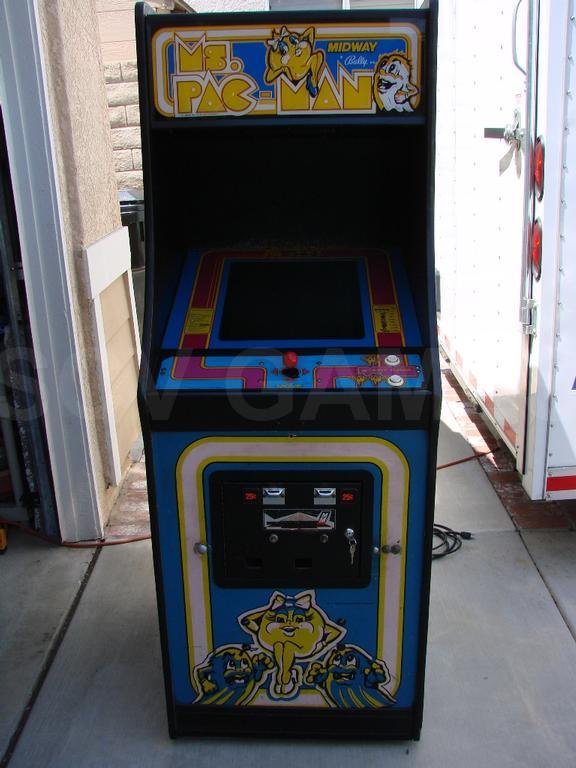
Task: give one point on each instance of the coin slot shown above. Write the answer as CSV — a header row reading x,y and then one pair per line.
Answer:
x,y
254,562
274,495
303,563
324,496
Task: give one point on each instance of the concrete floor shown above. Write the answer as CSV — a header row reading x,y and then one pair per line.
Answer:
x,y
501,668
39,584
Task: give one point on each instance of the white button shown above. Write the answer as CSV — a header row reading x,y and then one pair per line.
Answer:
x,y
395,380
392,360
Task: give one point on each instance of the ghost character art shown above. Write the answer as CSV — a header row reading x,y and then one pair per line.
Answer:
x,y
231,676
392,88
351,679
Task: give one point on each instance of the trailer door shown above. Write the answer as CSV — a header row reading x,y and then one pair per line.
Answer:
x,y
550,467
485,129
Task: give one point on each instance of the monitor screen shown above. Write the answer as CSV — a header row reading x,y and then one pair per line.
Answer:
x,y
291,300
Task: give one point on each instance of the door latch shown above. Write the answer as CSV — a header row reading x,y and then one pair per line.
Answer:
x,y
528,316
513,134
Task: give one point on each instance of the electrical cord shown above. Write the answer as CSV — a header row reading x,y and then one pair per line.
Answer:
x,y
475,455
76,544
449,542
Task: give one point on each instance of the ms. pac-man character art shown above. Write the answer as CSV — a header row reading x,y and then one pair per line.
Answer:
x,y
289,386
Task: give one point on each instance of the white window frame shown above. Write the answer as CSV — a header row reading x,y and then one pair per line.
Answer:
x,y
26,110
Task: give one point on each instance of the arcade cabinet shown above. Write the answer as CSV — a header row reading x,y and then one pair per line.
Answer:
x,y
289,389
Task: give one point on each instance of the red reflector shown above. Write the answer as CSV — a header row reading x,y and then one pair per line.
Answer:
x,y
347,496
566,483
536,249
539,168
250,495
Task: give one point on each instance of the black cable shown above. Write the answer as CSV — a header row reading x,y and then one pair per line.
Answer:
x,y
449,542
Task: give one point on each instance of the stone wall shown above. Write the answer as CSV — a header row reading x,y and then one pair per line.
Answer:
x,y
122,91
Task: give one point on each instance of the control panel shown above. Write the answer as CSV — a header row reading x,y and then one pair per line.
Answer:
x,y
289,370
291,529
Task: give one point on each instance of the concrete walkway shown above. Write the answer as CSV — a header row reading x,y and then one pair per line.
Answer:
x,y
501,675
39,586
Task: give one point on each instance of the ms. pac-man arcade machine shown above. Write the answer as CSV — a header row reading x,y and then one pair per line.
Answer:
x,y
289,389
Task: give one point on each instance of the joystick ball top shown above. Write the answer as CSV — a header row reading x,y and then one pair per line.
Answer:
x,y
290,359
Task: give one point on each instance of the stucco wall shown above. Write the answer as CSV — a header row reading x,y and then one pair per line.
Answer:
x,y
79,113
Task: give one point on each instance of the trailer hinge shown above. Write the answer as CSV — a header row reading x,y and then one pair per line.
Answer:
x,y
528,316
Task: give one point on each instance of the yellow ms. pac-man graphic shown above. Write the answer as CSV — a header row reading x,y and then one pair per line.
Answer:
x,y
286,70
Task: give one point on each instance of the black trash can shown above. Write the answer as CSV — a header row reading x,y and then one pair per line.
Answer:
x,y
132,215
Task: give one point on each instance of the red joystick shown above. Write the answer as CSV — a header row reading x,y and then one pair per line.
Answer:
x,y
290,359
290,362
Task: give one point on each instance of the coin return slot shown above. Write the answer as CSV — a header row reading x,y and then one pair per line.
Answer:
x,y
303,563
254,562
310,520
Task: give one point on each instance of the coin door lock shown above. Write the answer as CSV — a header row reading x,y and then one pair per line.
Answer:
x,y
350,535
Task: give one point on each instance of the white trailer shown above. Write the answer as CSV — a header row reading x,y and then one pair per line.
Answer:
x,y
507,290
